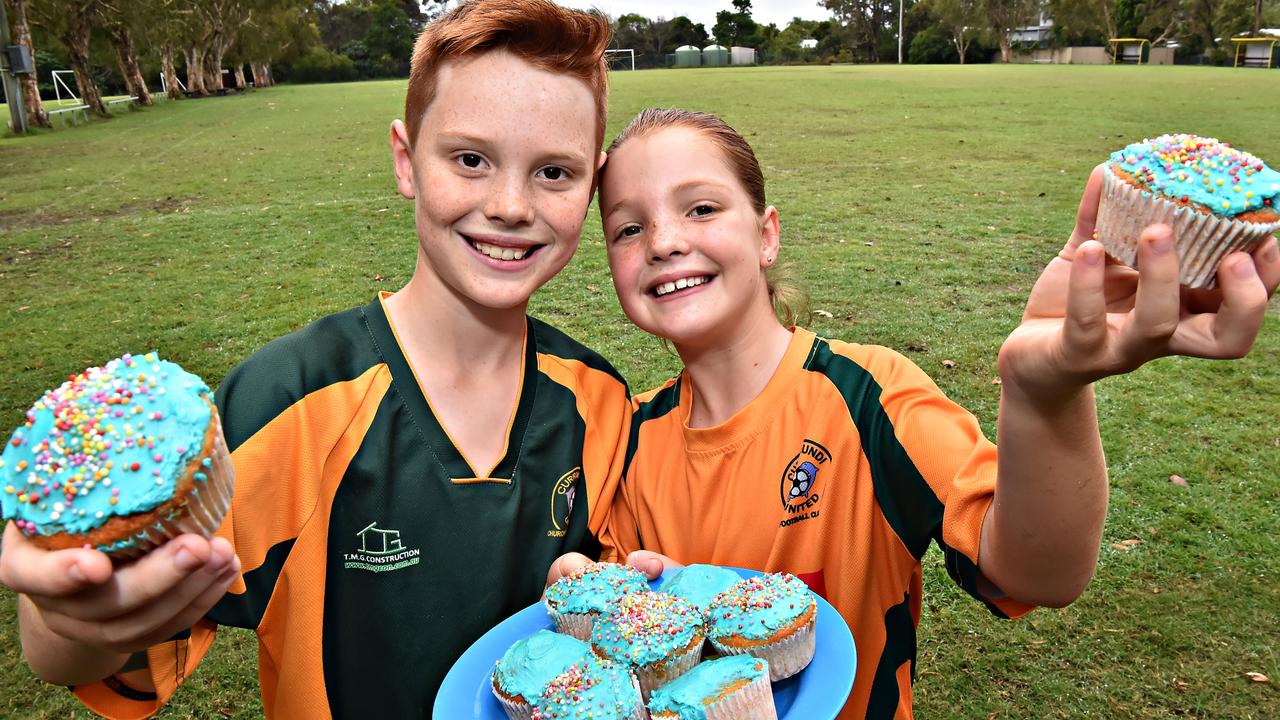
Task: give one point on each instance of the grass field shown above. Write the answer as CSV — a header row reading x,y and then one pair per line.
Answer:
x,y
918,205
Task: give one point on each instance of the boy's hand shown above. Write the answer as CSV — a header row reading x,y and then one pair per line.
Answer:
x,y
1088,318
81,597
648,562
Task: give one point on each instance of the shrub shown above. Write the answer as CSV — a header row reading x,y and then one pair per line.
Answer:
x,y
932,46
320,65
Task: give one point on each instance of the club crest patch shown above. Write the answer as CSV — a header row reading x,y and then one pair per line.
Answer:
x,y
562,496
799,482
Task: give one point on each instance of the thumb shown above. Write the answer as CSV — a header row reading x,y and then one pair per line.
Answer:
x,y
28,569
650,563
565,565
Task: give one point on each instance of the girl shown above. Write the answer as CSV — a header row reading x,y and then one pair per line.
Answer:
x,y
778,450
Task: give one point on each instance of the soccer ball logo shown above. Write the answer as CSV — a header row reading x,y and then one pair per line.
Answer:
x,y
801,480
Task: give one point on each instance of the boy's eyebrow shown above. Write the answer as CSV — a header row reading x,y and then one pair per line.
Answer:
x,y
564,157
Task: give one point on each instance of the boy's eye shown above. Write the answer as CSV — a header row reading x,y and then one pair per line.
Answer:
x,y
627,231
551,172
470,160
702,211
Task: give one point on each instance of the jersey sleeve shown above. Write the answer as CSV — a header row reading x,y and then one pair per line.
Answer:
x,y
621,534
950,462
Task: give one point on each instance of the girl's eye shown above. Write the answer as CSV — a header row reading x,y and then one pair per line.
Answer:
x,y
702,211
470,160
552,172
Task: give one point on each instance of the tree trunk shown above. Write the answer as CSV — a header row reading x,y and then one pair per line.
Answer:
x,y
195,73
213,65
170,74
123,41
77,42
1006,52
36,116
1257,18
239,72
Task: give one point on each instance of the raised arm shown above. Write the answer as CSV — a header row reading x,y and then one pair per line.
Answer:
x,y
1088,319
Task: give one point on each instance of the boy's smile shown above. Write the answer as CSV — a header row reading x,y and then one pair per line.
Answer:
x,y
501,174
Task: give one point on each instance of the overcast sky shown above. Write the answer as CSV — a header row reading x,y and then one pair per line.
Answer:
x,y
764,12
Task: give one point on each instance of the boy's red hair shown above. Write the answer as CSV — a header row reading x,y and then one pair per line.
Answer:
x,y
545,35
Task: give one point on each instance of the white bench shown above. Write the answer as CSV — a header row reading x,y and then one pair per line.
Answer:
x,y
70,115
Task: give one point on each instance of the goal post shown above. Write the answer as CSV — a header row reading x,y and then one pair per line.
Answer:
x,y
624,59
59,85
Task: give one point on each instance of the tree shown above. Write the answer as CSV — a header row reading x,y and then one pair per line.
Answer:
x,y
686,32
72,23
28,84
390,39
736,28
1004,15
118,16
865,23
962,20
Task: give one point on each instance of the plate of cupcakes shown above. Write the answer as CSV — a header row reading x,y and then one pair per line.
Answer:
x,y
723,643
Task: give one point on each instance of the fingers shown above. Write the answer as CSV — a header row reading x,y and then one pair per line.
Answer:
x,y
1085,325
1266,258
565,565
168,578
1158,306
1087,213
28,569
1230,332
650,563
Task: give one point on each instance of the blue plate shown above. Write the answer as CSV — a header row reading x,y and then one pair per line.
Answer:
x,y
816,693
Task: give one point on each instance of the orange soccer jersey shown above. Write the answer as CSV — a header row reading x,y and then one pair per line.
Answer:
x,y
841,471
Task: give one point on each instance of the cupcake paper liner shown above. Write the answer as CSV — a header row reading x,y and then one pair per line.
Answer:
x,y
786,657
753,701
652,677
204,510
576,625
515,710
1201,240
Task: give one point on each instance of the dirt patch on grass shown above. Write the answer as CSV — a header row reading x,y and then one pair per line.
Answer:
x,y
26,219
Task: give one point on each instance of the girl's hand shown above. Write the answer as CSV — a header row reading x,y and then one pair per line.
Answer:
x,y
646,561
1089,317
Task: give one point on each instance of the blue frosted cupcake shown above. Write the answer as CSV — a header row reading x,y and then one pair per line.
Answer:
x,y
527,666
577,599
700,584
769,616
657,636
1217,199
120,458
730,688
594,689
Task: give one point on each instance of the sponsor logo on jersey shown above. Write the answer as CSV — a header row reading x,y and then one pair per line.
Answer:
x,y
380,550
800,481
562,495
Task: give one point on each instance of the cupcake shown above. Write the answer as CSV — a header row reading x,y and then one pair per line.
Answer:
x,y
699,584
1217,199
730,688
120,458
525,669
577,599
594,689
658,636
767,616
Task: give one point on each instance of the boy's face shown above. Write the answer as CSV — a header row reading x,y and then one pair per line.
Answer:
x,y
501,172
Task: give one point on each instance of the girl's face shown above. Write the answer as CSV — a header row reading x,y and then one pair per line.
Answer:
x,y
686,248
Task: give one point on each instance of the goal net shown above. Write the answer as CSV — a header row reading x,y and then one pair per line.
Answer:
x,y
621,59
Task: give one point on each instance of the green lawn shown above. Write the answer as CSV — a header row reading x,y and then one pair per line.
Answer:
x,y
918,205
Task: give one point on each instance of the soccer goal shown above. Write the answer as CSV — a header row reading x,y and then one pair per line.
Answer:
x,y
621,59
60,85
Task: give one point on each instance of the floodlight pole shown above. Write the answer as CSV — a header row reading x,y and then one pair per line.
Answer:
x,y
900,31
12,93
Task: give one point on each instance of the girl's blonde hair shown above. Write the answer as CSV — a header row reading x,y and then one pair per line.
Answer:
x,y
788,300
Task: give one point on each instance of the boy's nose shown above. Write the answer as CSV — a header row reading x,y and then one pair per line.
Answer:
x,y
509,202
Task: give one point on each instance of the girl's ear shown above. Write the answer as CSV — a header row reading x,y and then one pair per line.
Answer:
x,y
770,236
402,159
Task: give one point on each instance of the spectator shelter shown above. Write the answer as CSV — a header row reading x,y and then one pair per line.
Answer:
x,y
1129,51
1255,51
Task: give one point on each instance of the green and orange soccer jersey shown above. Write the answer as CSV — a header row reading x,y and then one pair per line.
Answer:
x,y
373,554
842,471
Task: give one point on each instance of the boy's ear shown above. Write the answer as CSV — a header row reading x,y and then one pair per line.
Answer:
x,y
770,237
402,159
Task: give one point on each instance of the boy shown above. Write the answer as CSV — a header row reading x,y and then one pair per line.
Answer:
x,y
380,524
